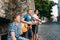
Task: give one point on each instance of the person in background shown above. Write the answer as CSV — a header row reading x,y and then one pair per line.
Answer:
x,y
27,18
14,28
35,26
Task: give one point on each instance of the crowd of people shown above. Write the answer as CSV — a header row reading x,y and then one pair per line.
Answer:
x,y
25,26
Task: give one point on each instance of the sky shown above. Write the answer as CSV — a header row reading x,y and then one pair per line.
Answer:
x,y
55,9
55,1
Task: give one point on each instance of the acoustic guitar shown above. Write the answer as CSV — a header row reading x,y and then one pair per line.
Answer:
x,y
26,28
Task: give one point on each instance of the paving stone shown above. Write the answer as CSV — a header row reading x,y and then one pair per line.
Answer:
x,y
49,31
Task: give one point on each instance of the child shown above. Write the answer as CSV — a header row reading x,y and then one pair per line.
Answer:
x,y
14,28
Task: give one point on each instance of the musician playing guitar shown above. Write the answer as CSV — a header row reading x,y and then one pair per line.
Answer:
x,y
27,19
28,22
35,26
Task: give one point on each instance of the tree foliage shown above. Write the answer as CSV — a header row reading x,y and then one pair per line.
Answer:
x,y
44,7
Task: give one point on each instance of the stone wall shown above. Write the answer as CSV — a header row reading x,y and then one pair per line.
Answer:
x,y
9,7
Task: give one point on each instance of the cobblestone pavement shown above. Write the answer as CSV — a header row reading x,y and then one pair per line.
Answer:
x,y
49,31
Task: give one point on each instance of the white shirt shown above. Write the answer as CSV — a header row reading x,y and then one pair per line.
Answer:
x,y
35,16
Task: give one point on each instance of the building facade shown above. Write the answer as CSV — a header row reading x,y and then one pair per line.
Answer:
x,y
58,10
55,11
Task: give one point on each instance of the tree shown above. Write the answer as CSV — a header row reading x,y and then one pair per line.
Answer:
x,y
44,7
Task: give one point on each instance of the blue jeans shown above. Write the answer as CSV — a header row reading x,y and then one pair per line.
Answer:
x,y
28,34
17,38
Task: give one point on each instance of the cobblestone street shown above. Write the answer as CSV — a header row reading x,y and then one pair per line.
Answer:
x,y
49,31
